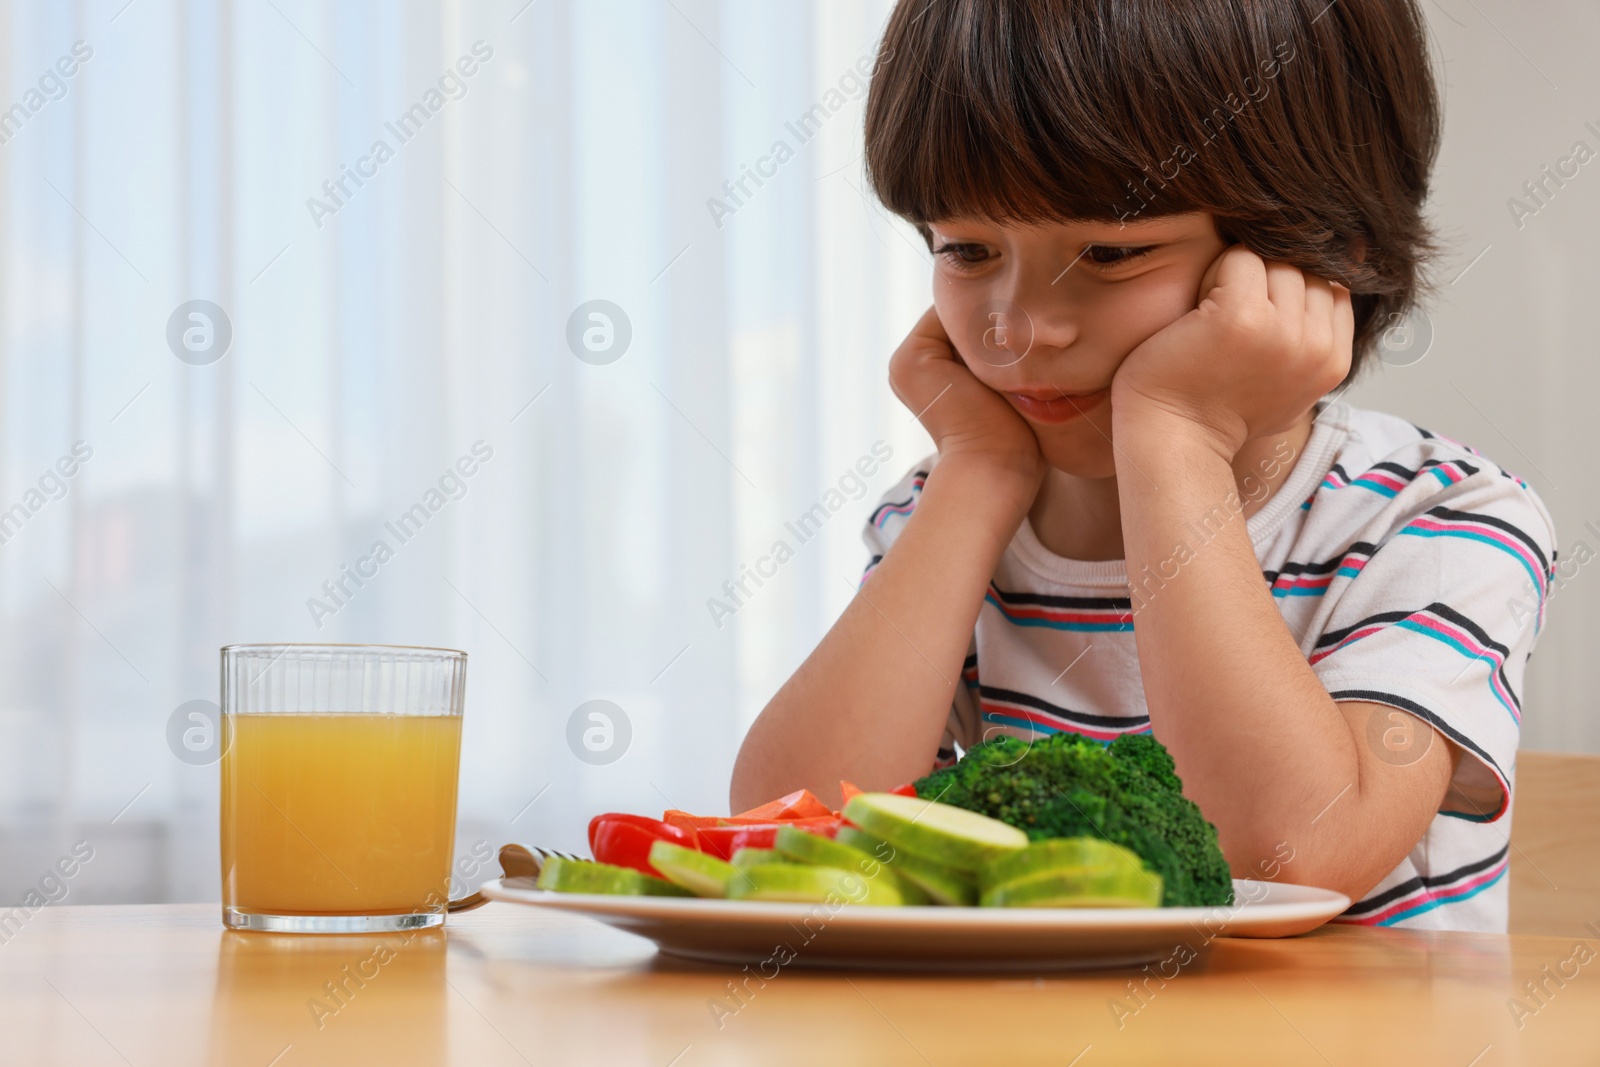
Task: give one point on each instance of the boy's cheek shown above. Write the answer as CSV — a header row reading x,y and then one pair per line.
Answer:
x,y
986,373
1159,308
950,308
953,316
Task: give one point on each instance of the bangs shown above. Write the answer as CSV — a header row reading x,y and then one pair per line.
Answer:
x,y
1031,111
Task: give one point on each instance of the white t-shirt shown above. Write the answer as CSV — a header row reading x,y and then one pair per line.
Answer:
x,y
1414,573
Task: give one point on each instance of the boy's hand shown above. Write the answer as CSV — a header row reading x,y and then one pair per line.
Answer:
x,y
964,416
1265,343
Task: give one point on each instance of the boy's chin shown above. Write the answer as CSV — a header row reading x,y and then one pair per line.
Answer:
x,y
1077,457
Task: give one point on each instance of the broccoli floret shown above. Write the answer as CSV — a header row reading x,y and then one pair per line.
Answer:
x,y
1066,785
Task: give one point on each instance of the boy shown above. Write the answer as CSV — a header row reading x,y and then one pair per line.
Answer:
x,y
1160,239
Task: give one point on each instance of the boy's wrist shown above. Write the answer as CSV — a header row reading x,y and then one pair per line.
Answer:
x,y
1148,426
1005,491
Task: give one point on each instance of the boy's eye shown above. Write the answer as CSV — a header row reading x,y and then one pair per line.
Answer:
x,y
1115,255
962,254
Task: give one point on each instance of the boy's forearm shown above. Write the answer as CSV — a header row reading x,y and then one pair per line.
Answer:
x,y
870,703
1259,743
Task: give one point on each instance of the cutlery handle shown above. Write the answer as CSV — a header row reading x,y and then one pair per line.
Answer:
x,y
516,861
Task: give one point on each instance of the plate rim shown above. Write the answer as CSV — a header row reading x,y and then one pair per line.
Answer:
x,y
680,909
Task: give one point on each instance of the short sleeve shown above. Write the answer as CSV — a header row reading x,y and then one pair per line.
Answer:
x,y
888,518
1439,622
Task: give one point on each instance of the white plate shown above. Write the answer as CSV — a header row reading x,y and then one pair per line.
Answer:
x,y
922,938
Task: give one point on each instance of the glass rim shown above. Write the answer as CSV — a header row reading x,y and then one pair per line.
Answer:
x,y
256,646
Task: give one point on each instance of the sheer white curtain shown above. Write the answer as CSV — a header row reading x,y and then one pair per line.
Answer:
x,y
695,163
394,309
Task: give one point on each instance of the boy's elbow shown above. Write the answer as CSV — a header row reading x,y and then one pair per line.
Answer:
x,y
738,797
1353,884
1353,868
746,786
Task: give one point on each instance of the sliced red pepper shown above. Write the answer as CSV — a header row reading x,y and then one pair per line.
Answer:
x,y
676,835
624,840
805,806
724,841
823,824
745,820
685,821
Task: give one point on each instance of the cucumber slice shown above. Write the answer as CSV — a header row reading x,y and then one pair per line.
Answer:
x,y
942,833
943,885
700,873
1057,853
747,857
1087,887
811,885
805,847
587,876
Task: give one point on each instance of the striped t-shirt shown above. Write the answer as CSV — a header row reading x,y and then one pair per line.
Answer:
x,y
1413,571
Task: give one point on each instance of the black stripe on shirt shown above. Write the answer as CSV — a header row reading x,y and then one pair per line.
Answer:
x,y
1047,600
970,666
1449,614
1465,467
1357,548
1411,885
1333,637
1441,611
1393,468
887,505
1427,464
1012,696
1497,523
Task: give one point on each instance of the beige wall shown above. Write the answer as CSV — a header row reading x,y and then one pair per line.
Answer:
x,y
1512,367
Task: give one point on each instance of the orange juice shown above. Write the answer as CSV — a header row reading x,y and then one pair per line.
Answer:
x,y
347,814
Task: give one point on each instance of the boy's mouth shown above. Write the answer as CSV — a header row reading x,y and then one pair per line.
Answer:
x,y
1051,406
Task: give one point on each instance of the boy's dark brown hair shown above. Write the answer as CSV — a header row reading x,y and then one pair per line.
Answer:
x,y
1308,128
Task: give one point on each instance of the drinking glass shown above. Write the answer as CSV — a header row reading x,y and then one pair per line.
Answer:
x,y
339,775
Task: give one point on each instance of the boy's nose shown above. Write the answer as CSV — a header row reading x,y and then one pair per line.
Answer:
x,y
1047,308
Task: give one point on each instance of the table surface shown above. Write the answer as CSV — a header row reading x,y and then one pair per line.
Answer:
x,y
509,984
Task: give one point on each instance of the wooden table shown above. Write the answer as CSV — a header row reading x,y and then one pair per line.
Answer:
x,y
166,985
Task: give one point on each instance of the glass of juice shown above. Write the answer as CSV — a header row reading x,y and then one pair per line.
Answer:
x,y
339,773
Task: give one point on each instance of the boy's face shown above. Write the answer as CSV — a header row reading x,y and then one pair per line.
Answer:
x,y
1044,315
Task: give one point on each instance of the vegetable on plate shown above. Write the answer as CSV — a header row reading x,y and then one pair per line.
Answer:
x,y
944,834
587,876
800,846
700,873
624,840
1126,792
1130,839
942,884
803,884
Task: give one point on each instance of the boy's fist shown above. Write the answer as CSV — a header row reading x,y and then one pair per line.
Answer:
x,y
964,416
1265,343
